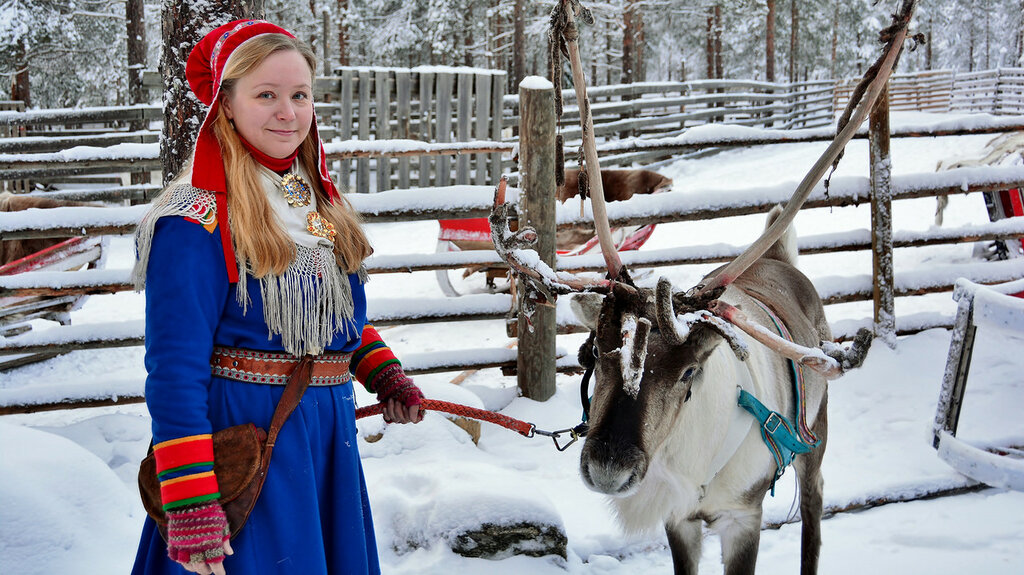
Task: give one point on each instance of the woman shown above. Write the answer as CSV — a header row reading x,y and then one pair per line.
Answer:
x,y
279,279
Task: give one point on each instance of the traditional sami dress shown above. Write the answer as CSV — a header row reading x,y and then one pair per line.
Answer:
x,y
313,516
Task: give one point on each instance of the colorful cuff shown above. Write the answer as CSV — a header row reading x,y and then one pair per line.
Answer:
x,y
184,467
371,358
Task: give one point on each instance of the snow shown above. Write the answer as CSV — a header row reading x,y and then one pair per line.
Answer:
x,y
67,482
536,83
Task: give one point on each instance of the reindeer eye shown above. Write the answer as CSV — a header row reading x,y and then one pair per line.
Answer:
x,y
689,373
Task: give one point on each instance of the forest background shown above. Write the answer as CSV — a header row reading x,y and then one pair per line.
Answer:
x,y
74,53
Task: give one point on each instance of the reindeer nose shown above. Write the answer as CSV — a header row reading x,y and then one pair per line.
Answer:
x,y
612,470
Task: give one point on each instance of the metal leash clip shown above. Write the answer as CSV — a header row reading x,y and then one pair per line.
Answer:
x,y
574,433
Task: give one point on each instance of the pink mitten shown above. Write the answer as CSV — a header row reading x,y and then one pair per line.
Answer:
x,y
392,383
197,533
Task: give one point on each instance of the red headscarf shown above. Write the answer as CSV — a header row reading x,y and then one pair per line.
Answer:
x,y
204,71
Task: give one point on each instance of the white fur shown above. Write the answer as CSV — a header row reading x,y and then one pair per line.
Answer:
x,y
671,487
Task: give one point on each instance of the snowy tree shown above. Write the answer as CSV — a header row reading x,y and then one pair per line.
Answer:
x,y
185,22
61,53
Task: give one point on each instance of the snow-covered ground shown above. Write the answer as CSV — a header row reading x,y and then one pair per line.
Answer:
x,y
68,501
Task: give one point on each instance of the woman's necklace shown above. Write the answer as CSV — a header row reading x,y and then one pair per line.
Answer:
x,y
296,191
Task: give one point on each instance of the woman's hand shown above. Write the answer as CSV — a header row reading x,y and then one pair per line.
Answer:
x,y
397,412
198,538
401,397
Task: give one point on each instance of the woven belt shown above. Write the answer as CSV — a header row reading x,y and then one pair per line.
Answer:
x,y
274,368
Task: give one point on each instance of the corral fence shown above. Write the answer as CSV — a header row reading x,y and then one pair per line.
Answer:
x,y
451,125
999,92
474,201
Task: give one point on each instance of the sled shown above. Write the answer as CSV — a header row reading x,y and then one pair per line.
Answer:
x,y
475,233
993,308
1004,150
17,311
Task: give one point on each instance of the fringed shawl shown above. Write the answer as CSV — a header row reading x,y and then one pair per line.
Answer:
x,y
307,305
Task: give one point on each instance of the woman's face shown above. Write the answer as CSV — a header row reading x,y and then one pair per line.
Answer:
x,y
272,106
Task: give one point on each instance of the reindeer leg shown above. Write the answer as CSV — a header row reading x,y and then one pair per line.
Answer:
x,y
808,469
740,540
684,540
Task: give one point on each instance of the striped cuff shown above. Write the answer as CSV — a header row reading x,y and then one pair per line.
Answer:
x,y
184,467
372,357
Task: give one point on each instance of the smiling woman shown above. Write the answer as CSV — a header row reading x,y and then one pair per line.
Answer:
x,y
270,106
244,311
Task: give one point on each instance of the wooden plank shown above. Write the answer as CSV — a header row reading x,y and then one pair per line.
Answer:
x,y
382,87
498,109
403,117
363,164
482,123
345,125
443,122
426,122
464,118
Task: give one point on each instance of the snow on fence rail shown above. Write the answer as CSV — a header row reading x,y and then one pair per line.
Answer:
x,y
474,201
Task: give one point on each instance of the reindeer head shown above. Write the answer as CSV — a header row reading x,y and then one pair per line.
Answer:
x,y
648,348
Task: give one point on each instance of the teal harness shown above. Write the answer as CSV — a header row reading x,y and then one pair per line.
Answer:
x,y
783,441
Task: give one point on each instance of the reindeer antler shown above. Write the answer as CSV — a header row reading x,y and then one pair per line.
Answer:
x,y
515,249
831,361
876,78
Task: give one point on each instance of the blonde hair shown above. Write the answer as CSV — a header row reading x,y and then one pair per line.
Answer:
x,y
258,237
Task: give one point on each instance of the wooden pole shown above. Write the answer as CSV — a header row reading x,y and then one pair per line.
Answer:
x,y
881,221
536,356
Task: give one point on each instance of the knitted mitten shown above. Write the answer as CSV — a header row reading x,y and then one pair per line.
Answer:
x,y
196,533
392,383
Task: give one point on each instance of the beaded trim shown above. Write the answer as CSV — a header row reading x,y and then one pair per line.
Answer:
x,y
284,360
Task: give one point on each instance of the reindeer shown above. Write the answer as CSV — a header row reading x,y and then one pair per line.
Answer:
x,y
668,442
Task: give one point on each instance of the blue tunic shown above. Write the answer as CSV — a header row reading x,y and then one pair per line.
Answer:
x,y
313,516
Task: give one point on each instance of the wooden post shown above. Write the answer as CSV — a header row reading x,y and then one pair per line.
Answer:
x,y
881,221
363,164
536,356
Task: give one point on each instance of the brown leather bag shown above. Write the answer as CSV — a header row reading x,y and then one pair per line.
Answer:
x,y
241,456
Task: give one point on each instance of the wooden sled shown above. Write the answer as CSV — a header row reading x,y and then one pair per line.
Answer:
x,y
999,307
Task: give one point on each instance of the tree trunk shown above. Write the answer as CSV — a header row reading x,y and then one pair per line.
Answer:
x,y
136,35
928,47
709,47
794,40
343,59
835,38
719,70
769,43
467,40
518,44
183,24
639,70
20,87
628,36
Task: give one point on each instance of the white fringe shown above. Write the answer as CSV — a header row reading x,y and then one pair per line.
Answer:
x,y
307,305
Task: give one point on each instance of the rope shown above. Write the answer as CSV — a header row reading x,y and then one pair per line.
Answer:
x,y
521,427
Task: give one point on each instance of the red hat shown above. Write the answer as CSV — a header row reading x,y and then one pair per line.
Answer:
x,y
204,70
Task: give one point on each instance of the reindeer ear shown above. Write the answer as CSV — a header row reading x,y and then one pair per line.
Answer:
x,y
587,307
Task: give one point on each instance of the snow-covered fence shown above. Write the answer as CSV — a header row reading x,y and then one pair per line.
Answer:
x,y
428,104
9,133
999,91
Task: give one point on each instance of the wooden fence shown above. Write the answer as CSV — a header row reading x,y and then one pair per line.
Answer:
x,y
435,106
999,91
390,206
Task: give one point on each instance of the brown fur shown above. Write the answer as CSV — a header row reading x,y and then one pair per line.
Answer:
x,y
11,250
618,185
